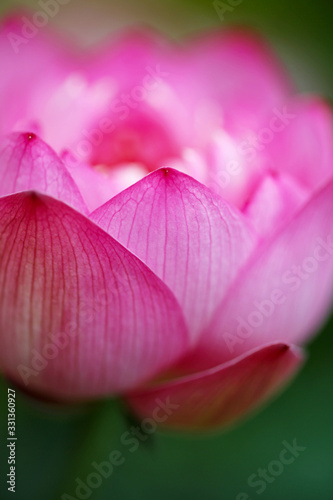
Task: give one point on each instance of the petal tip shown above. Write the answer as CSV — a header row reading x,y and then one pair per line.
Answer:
x,y
30,136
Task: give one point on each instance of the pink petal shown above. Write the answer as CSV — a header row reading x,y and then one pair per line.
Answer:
x,y
193,240
218,397
67,283
236,73
127,56
274,203
284,293
55,93
26,163
97,184
133,125
33,62
304,149
229,174
226,80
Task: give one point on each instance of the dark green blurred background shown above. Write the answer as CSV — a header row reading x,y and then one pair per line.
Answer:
x,y
53,448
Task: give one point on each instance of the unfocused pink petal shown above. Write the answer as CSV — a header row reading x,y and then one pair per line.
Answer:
x,y
218,397
224,81
27,163
98,184
275,202
304,149
33,62
127,56
193,240
284,293
228,172
81,317
55,94
236,72
135,125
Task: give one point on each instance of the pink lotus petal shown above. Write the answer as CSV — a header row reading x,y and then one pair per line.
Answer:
x,y
218,397
284,293
274,203
127,55
226,80
193,240
236,72
71,112
134,126
34,63
305,148
98,184
229,174
26,163
64,280
142,138
55,92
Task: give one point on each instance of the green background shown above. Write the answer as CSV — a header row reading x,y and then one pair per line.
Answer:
x,y
56,446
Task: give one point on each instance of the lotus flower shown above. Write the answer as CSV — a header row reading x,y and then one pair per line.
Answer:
x,y
166,222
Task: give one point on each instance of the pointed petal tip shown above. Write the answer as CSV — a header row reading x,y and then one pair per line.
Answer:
x,y
27,137
173,222
27,163
119,324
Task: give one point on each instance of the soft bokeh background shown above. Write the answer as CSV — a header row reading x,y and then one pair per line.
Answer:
x,y
55,447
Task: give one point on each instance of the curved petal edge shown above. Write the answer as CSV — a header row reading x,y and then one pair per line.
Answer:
x,y
219,396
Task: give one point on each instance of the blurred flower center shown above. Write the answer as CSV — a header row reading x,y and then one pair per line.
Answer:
x,y
140,141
